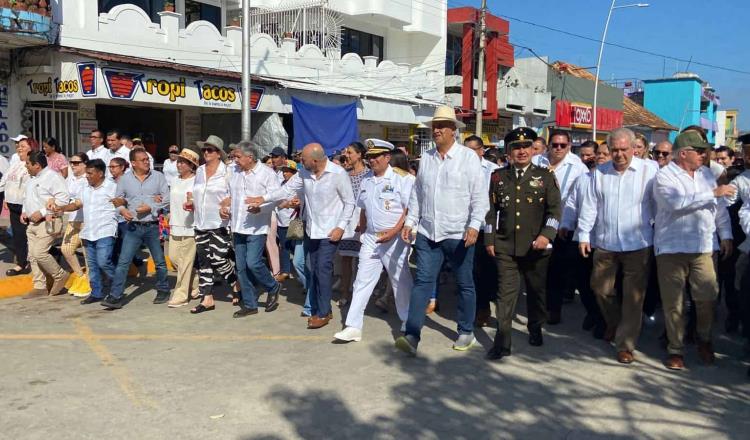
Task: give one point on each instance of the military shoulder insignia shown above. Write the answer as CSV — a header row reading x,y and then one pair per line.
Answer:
x,y
400,172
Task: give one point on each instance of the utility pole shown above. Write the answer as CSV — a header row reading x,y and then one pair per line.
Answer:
x,y
480,68
246,93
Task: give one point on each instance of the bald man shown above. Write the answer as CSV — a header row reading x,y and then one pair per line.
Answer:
x,y
329,205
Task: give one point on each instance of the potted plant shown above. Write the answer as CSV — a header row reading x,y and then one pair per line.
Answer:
x,y
168,7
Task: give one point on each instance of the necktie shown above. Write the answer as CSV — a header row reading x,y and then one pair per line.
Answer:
x,y
519,173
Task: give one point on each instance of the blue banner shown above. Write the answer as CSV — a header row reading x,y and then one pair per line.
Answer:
x,y
333,127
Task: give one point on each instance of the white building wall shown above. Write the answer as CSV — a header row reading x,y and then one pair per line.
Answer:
x,y
721,127
414,50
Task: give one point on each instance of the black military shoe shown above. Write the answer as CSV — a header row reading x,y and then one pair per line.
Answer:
x,y
91,299
242,312
535,338
496,353
111,302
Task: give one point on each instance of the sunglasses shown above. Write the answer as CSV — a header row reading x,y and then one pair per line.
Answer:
x,y
76,162
559,146
209,150
174,152
662,153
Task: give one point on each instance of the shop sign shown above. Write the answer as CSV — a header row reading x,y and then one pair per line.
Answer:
x,y
398,133
5,146
581,115
86,126
87,80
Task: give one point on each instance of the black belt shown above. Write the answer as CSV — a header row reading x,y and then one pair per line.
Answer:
x,y
155,222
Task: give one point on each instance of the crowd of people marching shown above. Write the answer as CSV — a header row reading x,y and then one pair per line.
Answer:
x,y
629,228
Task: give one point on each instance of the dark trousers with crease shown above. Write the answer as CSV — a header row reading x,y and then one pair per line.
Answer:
x,y
561,274
533,269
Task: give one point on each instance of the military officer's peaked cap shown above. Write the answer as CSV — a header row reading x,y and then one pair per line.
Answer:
x,y
377,146
520,137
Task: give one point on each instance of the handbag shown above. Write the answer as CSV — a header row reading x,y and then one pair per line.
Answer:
x,y
296,230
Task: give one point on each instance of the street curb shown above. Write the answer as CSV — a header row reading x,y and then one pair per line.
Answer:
x,y
19,285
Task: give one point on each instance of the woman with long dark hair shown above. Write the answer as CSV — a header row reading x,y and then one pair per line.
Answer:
x,y
56,161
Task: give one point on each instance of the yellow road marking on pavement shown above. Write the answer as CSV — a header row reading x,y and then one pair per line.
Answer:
x,y
121,374
148,337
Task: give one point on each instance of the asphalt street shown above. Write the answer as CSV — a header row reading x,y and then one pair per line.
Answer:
x,y
149,372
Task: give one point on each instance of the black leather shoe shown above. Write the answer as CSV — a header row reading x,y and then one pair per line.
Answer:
x,y
272,301
112,303
90,300
161,297
497,353
588,323
242,312
23,271
535,338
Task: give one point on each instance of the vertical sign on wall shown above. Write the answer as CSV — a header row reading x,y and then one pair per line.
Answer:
x,y
5,148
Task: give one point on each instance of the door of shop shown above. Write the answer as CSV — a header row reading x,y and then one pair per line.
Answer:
x,y
157,127
60,123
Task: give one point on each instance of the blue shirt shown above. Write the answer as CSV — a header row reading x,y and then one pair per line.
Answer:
x,y
136,193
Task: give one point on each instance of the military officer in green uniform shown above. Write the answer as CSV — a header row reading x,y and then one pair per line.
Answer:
x,y
521,224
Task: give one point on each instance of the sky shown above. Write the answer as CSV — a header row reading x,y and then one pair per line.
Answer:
x,y
712,32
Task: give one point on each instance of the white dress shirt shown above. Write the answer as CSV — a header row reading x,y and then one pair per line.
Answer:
x,y
181,221
723,225
385,199
329,199
258,181
100,152
14,182
618,208
207,197
566,172
685,211
571,210
75,189
449,196
46,185
99,215
169,168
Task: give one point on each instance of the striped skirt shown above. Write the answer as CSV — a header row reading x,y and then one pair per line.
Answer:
x,y
214,255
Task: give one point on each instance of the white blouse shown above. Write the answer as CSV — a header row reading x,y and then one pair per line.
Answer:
x,y
207,197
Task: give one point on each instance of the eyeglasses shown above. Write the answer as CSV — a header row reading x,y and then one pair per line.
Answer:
x,y
209,150
662,153
145,159
559,146
76,162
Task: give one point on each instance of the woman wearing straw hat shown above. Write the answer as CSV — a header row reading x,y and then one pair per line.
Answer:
x,y
181,230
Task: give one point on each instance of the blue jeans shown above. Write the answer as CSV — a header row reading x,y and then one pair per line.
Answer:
x,y
430,256
137,234
122,227
298,261
99,259
321,254
285,247
251,270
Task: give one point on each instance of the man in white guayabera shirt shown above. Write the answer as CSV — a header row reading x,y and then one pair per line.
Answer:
x,y
687,208
446,210
616,215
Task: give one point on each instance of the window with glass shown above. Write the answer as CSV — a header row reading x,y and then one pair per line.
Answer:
x,y
195,11
361,43
454,49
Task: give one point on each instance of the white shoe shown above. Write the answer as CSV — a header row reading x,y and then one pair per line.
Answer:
x,y
349,334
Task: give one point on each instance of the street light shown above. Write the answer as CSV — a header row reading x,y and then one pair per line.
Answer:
x,y
601,51
245,126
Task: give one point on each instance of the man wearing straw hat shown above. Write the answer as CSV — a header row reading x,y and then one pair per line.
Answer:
x,y
446,210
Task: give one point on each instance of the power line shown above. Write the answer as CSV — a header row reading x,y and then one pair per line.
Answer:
x,y
621,46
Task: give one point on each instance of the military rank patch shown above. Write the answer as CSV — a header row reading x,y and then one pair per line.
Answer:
x,y
552,223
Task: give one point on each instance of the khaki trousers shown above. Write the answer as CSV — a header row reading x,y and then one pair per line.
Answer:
x,y
42,263
626,317
675,270
182,255
72,241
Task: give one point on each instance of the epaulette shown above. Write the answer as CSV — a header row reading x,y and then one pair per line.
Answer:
x,y
400,172
495,177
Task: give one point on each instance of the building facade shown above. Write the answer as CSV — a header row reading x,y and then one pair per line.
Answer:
x,y
682,101
727,131
172,75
